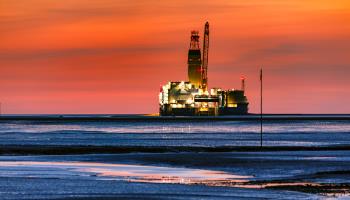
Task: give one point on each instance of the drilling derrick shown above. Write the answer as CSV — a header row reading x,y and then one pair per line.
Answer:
x,y
194,45
194,61
204,84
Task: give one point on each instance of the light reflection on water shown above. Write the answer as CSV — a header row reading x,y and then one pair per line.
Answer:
x,y
144,174
179,127
125,172
215,133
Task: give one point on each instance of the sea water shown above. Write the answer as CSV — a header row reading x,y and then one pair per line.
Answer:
x,y
175,133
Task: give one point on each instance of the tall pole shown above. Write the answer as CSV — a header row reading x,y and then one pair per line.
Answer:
x,y
261,108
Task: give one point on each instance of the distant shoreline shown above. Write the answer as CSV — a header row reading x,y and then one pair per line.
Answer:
x,y
138,117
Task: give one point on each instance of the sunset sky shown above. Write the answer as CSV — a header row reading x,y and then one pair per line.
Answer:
x,y
111,56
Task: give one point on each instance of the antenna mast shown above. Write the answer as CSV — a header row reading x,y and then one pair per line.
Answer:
x,y
242,83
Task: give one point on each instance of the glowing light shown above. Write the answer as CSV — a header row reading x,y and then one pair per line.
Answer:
x,y
203,109
232,105
189,101
200,91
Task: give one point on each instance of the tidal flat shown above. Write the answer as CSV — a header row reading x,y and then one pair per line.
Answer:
x,y
300,159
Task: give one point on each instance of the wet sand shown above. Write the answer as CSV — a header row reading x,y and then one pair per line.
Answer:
x,y
89,149
310,174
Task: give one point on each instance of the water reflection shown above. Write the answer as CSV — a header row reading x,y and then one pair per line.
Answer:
x,y
156,174
133,173
178,127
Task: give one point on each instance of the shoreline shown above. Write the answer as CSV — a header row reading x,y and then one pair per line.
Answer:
x,y
151,118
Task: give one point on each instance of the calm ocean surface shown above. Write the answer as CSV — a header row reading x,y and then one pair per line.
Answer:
x,y
203,133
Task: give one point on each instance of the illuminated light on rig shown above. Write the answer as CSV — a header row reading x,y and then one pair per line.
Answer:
x,y
200,91
232,105
203,109
189,101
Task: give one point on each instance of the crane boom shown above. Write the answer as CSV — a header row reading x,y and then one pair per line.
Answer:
x,y
205,57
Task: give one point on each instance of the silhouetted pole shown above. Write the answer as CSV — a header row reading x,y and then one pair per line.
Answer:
x,y
261,108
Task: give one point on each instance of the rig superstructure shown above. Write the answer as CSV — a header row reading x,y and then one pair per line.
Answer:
x,y
193,96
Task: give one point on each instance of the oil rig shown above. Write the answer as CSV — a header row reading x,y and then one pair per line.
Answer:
x,y
192,97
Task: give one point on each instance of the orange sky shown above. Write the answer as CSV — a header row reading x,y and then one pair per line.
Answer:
x,y
111,56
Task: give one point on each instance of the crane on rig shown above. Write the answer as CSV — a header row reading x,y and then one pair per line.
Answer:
x,y
205,57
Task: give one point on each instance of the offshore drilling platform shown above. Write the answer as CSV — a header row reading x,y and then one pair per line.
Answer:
x,y
193,98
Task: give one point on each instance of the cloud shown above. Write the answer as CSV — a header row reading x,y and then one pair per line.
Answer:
x,y
16,16
15,55
302,48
